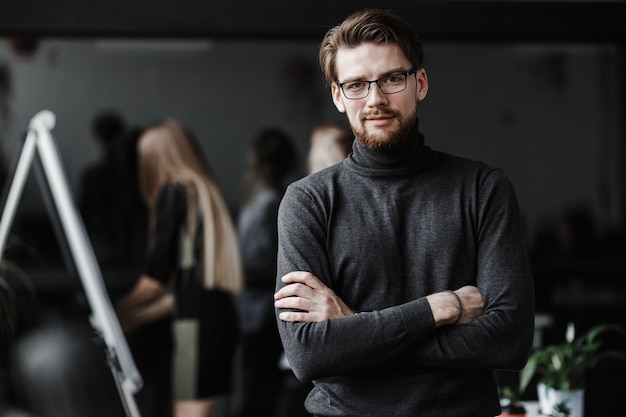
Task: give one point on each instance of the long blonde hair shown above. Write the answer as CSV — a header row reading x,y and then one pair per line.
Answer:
x,y
168,153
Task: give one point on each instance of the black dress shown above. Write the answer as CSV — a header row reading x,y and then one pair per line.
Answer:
x,y
206,328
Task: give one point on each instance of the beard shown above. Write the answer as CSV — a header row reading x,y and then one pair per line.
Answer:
x,y
386,140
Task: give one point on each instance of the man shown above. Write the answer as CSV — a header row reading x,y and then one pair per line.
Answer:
x,y
404,279
98,193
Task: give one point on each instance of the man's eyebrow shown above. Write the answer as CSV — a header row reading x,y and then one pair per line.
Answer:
x,y
390,72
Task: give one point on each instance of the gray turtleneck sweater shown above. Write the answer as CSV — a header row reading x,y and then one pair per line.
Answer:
x,y
383,230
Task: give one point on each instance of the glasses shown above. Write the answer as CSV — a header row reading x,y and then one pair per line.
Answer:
x,y
389,84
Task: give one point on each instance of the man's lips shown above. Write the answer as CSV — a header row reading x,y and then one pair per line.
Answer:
x,y
379,119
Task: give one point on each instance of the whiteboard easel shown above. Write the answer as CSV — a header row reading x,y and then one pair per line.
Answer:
x,y
103,318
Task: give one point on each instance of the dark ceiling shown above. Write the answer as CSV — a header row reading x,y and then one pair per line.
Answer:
x,y
293,19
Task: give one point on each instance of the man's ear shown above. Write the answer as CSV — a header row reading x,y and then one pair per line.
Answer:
x,y
422,84
336,93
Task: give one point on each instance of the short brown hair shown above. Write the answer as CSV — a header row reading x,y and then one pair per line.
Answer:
x,y
369,26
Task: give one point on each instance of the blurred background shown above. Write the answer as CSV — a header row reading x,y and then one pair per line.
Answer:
x,y
534,87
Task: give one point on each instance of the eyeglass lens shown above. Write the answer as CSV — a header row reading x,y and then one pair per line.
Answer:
x,y
389,84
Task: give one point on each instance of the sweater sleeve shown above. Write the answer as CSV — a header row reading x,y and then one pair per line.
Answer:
x,y
502,337
337,346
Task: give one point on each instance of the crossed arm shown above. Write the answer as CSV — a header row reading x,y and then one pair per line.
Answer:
x,y
343,341
323,337
313,302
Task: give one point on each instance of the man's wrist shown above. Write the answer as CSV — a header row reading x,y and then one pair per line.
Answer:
x,y
459,306
444,308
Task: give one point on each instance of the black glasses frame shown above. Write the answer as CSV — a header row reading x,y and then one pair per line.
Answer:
x,y
369,83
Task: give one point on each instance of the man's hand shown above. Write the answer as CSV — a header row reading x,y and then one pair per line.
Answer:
x,y
305,292
445,306
316,302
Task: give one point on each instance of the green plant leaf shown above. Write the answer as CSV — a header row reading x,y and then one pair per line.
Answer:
x,y
563,366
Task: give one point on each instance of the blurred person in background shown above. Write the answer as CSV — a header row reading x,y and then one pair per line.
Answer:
x,y
97,193
330,143
193,269
130,212
5,94
271,164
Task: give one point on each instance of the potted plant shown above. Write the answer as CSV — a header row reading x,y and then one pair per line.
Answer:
x,y
561,368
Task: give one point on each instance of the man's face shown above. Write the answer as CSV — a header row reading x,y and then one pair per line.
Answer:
x,y
379,121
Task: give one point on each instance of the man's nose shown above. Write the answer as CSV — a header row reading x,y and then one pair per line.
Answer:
x,y
376,95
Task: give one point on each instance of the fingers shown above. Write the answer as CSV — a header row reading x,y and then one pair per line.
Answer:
x,y
302,277
299,284
293,290
301,316
300,308
296,295
314,300
292,298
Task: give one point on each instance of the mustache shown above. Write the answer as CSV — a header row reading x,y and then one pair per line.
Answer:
x,y
380,112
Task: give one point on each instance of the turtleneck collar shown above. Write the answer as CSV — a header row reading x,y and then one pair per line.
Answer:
x,y
410,156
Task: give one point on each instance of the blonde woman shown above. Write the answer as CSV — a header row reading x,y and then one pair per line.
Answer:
x,y
193,268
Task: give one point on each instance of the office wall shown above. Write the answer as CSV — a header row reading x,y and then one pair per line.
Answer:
x,y
541,112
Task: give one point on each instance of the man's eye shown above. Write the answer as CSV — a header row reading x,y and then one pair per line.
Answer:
x,y
357,85
393,79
